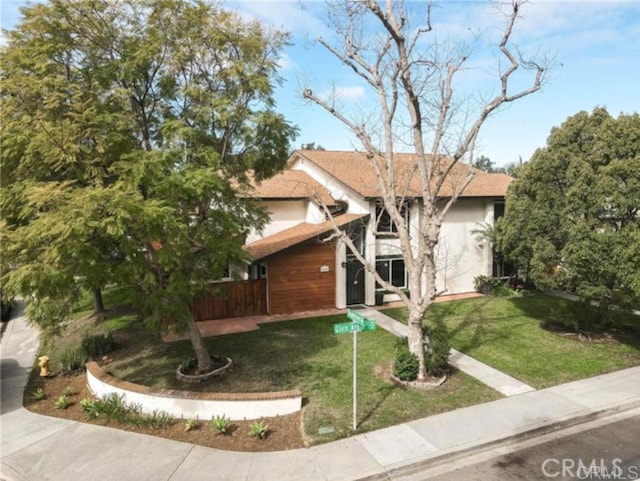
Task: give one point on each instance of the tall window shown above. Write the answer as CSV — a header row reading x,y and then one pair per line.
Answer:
x,y
383,219
392,270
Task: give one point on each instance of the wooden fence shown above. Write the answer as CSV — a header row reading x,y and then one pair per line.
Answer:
x,y
232,299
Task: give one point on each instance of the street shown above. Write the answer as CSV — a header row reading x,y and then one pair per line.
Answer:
x,y
611,451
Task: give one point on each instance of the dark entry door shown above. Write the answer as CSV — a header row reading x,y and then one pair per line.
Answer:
x,y
355,281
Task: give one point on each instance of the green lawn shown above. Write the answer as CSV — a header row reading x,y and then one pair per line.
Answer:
x,y
506,333
305,354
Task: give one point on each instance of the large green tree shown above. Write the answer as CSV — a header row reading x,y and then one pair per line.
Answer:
x,y
573,214
125,124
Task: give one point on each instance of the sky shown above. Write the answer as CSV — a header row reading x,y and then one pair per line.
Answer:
x,y
595,48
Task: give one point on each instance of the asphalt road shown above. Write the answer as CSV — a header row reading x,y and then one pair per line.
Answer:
x,y
608,452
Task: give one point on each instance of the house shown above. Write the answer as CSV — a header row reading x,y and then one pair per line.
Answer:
x,y
296,262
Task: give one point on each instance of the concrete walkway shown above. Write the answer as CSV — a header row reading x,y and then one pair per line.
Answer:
x,y
37,448
501,382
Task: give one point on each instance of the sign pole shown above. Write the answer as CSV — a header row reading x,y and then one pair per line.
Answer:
x,y
355,380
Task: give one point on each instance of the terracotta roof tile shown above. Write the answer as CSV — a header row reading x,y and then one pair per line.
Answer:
x,y
353,169
295,235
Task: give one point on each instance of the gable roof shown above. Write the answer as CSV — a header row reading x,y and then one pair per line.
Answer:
x,y
353,169
291,185
295,235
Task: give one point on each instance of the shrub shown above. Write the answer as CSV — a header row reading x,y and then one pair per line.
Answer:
x,y
190,424
72,361
156,420
39,395
220,423
90,408
258,430
96,345
504,291
68,391
62,402
405,366
485,284
437,350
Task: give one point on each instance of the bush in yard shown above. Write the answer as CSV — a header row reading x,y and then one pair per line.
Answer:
x,y
405,366
437,350
72,360
96,345
485,284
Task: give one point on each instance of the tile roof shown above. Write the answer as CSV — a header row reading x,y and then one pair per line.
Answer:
x,y
353,169
295,235
291,184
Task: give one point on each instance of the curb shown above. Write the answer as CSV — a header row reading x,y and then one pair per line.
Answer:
x,y
411,467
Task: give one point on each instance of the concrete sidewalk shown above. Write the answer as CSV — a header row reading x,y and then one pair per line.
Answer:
x,y
37,448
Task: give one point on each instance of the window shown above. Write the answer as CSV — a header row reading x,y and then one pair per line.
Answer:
x,y
257,271
392,270
383,219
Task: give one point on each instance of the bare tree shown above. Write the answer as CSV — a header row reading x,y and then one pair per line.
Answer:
x,y
412,75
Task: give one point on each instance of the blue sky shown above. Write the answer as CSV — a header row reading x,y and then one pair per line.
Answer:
x,y
596,47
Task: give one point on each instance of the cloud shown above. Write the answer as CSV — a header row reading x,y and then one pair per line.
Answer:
x,y
347,94
300,18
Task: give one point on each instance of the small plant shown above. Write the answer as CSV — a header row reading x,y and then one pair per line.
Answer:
x,y
405,366
220,423
62,402
68,391
39,395
72,361
157,420
258,430
90,408
190,425
96,345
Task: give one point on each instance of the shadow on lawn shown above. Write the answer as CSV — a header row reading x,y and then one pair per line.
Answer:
x,y
480,322
564,316
273,358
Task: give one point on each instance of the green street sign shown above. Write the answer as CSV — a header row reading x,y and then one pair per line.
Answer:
x,y
355,316
346,327
368,325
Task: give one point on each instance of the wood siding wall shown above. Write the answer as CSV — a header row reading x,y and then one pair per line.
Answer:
x,y
296,283
232,299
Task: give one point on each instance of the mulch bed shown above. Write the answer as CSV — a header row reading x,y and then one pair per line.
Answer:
x,y
285,432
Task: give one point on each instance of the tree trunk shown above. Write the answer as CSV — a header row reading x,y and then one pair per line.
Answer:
x,y
416,341
98,304
199,347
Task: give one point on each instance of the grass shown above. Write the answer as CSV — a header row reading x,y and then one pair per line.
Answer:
x,y
507,333
306,355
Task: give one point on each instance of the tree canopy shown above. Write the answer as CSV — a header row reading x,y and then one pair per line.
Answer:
x,y
124,124
573,214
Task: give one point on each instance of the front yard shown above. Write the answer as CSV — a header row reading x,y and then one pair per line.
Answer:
x,y
508,334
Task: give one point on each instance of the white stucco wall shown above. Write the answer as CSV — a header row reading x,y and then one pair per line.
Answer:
x,y
284,214
461,256
339,191
184,407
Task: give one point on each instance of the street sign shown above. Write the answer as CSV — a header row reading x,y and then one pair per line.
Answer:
x,y
355,316
359,324
346,327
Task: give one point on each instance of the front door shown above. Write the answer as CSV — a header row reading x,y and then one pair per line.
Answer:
x,y
355,281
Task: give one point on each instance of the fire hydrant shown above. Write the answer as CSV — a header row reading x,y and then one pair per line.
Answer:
x,y
44,366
